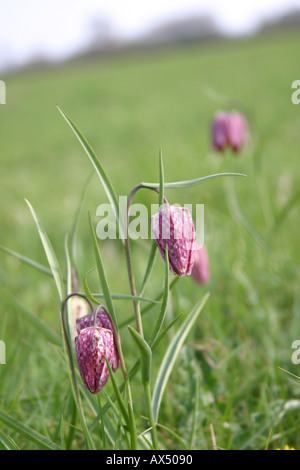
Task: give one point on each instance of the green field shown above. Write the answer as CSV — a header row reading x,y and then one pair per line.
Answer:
x,y
128,108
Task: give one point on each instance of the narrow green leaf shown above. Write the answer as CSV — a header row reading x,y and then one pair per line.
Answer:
x,y
163,332
241,219
7,442
26,260
121,404
150,264
153,250
164,305
78,212
195,415
98,167
51,257
145,354
102,276
132,427
174,435
161,294
19,309
286,210
161,179
129,297
102,427
27,432
109,427
172,354
69,286
135,368
190,183
93,296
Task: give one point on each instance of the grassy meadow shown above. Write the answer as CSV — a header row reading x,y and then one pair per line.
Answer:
x,y
228,374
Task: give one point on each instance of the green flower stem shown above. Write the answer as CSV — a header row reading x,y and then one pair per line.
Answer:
x,y
125,375
152,422
72,367
136,304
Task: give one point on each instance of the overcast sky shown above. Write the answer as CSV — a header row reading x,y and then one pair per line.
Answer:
x,y
56,28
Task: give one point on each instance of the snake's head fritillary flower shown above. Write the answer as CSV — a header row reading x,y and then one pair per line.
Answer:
x,y
219,131
237,131
173,226
229,129
103,322
92,345
200,271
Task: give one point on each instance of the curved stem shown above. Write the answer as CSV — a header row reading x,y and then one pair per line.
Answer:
x,y
71,361
67,337
136,304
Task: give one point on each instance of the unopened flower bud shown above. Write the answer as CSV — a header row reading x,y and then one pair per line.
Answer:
x,y
102,321
92,345
219,132
229,129
200,270
173,226
237,131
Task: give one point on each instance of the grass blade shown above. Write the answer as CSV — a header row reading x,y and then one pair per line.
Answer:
x,y
150,264
39,325
241,219
190,183
164,305
51,257
98,167
161,179
26,260
7,442
78,212
102,276
195,415
171,356
27,432
145,354
153,250
93,296
120,401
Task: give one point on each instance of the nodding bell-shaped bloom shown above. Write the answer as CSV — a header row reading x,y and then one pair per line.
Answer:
x,y
219,131
92,345
102,321
173,226
229,129
201,272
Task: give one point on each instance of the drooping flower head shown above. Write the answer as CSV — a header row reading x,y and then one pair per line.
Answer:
x,y
92,345
219,131
201,272
94,342
101,321
229,129
173,226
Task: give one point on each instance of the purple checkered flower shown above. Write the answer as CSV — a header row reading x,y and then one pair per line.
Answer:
x,y
173,226
229,129
102,321
219,131
94,342
200,270
92,345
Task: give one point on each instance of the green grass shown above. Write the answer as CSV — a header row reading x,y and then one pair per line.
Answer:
x,y
127,109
